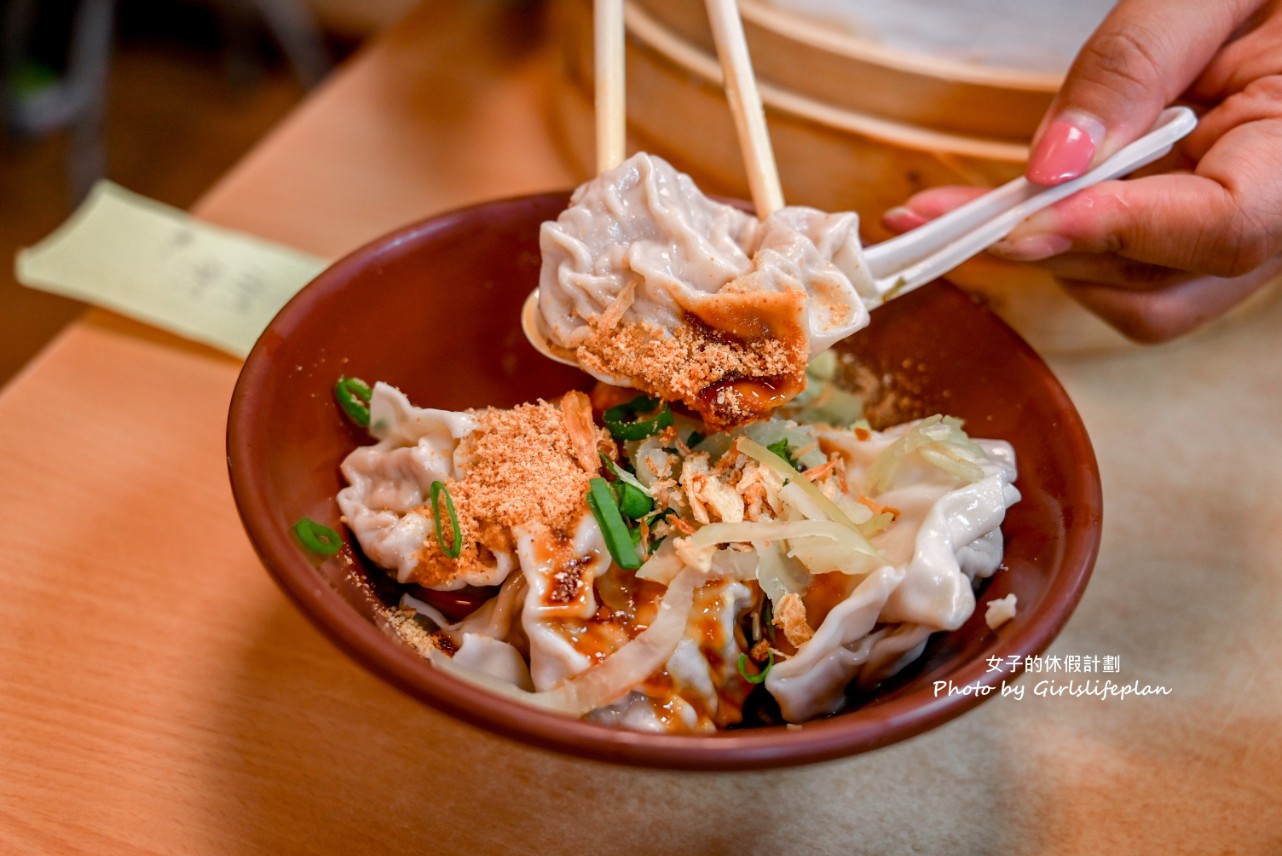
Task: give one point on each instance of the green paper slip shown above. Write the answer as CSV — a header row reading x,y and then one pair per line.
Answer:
x,y
159,264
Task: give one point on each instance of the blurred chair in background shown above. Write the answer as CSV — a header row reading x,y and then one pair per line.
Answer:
x,y
38,98
54,67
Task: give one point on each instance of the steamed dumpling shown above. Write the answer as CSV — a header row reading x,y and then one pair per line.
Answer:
x,y
648,283
946,537
836,575
503,469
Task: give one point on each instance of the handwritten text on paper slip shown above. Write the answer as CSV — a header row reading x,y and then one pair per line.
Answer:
x,y
156,263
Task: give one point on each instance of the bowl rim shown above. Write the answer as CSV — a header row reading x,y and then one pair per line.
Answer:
x,y
899,718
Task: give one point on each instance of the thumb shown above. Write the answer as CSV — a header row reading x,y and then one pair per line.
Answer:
x,y
1144,54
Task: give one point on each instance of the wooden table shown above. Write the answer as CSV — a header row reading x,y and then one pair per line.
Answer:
x,y
159,695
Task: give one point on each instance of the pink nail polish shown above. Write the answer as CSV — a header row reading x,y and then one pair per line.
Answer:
x,y
1064,150
1034,248
902,219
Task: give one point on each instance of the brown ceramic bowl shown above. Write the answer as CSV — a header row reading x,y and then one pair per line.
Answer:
x,y
434,309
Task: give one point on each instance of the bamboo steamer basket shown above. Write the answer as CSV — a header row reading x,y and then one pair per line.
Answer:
x,y
854,126
831,64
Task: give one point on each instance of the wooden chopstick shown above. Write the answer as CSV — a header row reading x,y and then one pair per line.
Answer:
x,y
608,58
745,106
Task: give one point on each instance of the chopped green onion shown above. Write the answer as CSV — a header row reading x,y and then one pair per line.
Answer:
x,y
695,439
759,676
622,474
437,489
353,396
783,450
624,424
633,502
318,537
618,540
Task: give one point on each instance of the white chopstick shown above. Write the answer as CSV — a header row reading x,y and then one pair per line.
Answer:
x,y
745,106
608,56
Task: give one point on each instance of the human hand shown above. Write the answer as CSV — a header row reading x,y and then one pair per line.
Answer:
x,y
1158,255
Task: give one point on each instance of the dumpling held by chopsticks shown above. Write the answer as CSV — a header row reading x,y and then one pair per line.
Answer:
x,y
648,283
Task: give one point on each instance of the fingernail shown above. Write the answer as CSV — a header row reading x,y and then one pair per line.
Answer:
x,y
1034,248
1065,149
902,219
